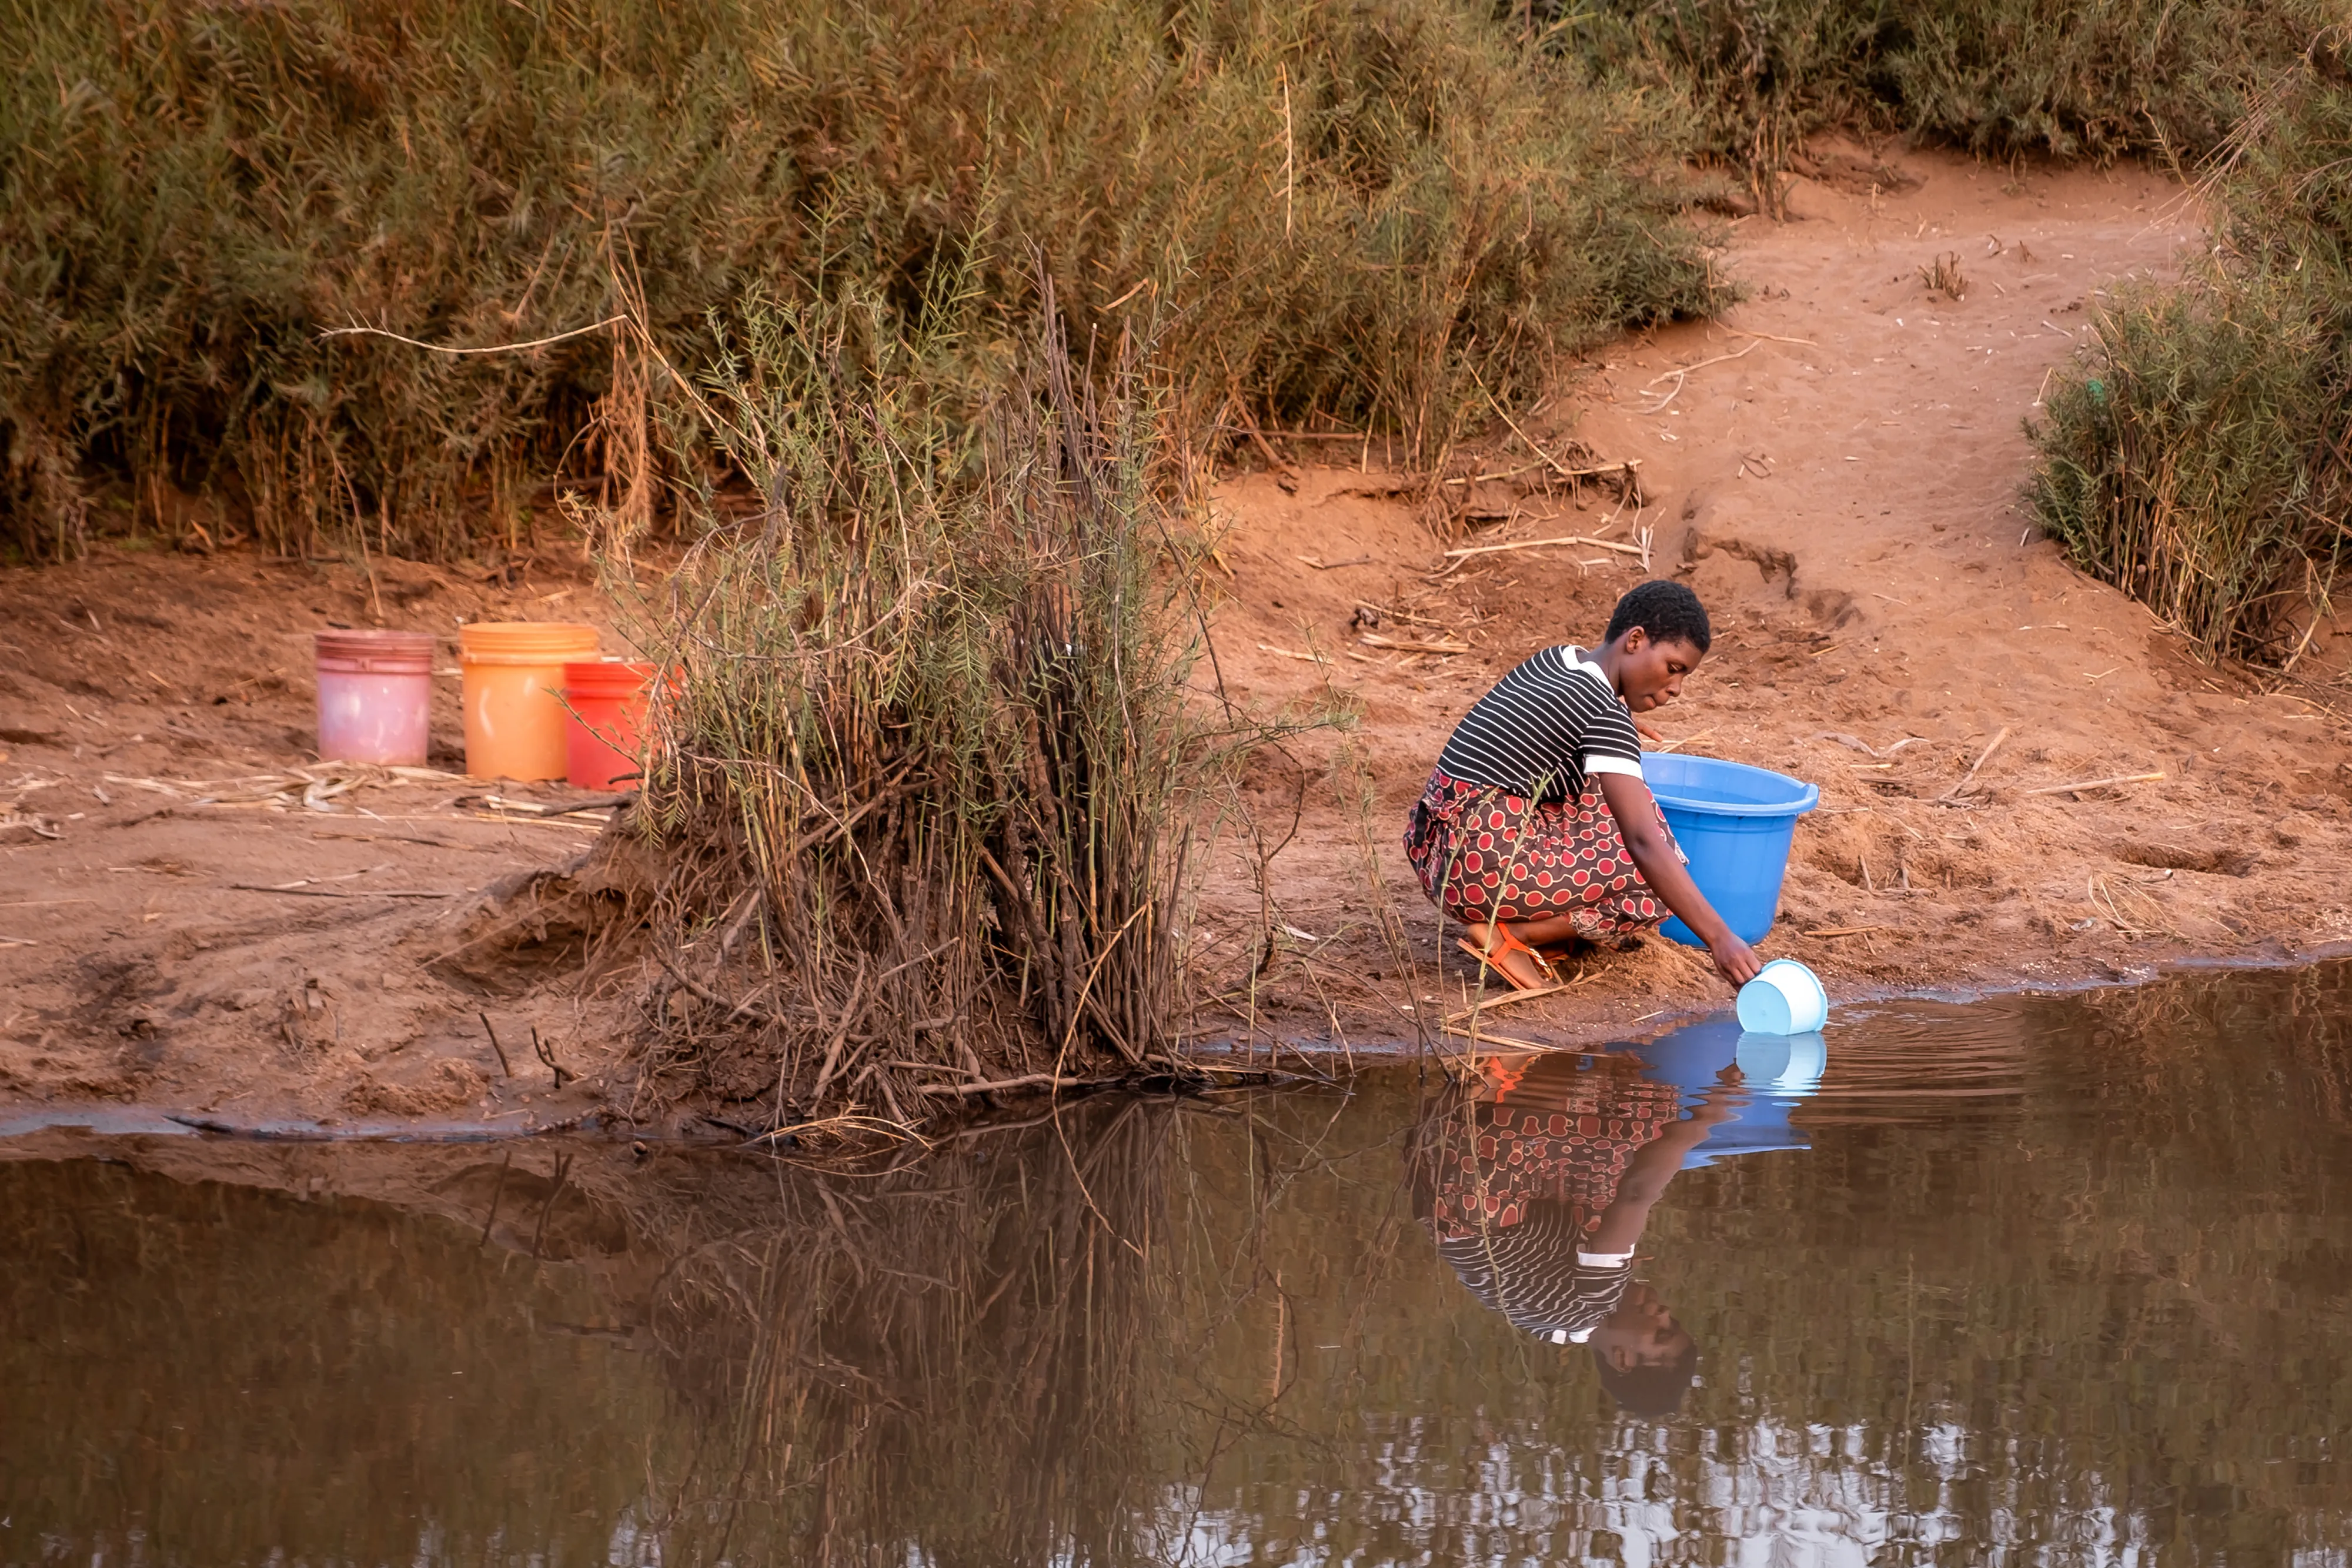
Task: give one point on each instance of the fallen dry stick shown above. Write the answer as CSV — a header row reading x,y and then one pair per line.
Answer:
x,y
1562,469
1504,1040
581,824
1504,1000
1303,658
1374,640
1681,374
1828,932
503,1066
330,893
1702,364
1257,437
1469,550
2093,784
1954,791
1032,1079
546,808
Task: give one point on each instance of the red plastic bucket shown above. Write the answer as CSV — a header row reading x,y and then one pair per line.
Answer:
x,y
375,697
606,735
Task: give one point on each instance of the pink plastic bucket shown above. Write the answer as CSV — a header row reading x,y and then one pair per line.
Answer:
x,y
606,740
375,697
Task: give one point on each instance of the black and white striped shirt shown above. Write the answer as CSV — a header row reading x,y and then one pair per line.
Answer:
x,y
1535,1274
1544,727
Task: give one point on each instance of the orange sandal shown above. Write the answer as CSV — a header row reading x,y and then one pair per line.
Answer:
x,y
1509,943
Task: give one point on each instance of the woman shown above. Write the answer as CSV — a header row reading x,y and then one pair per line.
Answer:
x,y
1537,827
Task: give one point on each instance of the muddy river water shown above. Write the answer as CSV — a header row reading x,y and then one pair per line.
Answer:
x,y
2034,1280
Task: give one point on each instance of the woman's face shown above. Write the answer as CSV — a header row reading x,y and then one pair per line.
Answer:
x,y
1650,674
1639,1332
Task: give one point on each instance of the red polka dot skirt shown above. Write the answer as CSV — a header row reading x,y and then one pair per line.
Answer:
x,y
1566,1136
1485,854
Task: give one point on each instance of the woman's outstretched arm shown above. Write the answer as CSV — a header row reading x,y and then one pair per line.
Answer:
x,y
1637,823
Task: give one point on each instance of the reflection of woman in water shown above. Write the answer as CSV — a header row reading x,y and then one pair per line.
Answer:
x,y
1537,1177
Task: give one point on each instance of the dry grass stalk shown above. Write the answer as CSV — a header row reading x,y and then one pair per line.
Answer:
x,y
2093,784
1945,276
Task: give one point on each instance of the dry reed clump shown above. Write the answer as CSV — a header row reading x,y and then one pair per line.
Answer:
x,y
1946,277
2201,456
927,756
1998,76
1339,209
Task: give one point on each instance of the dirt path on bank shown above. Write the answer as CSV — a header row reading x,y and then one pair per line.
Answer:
x,y
1836,467
196,918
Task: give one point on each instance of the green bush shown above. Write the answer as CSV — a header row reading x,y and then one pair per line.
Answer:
x,y
2073,79
2000,77
1346,208
2201,457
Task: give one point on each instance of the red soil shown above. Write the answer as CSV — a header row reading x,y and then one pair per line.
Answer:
x,y
1843,492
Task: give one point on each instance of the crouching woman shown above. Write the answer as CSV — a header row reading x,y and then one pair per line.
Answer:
x,y
1537,830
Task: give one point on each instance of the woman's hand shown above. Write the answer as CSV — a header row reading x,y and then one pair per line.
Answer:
x,y
1636,812
1647,733
1734,960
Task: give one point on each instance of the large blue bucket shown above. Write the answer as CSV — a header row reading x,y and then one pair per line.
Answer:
x,y
1735,823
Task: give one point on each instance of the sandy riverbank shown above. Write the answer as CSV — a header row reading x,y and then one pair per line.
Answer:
x,y
1836,468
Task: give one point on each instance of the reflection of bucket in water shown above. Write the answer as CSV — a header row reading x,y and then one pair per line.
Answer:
x,y
1783,1066
1780,1069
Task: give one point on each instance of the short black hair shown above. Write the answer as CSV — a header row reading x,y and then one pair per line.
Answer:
x,y
1654,1390
1666,612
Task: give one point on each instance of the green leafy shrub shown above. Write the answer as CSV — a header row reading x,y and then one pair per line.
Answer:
x,y
2201,456
2000,77
1341,207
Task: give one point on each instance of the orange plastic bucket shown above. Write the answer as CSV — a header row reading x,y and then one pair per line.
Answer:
x,y
607,738
515,718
